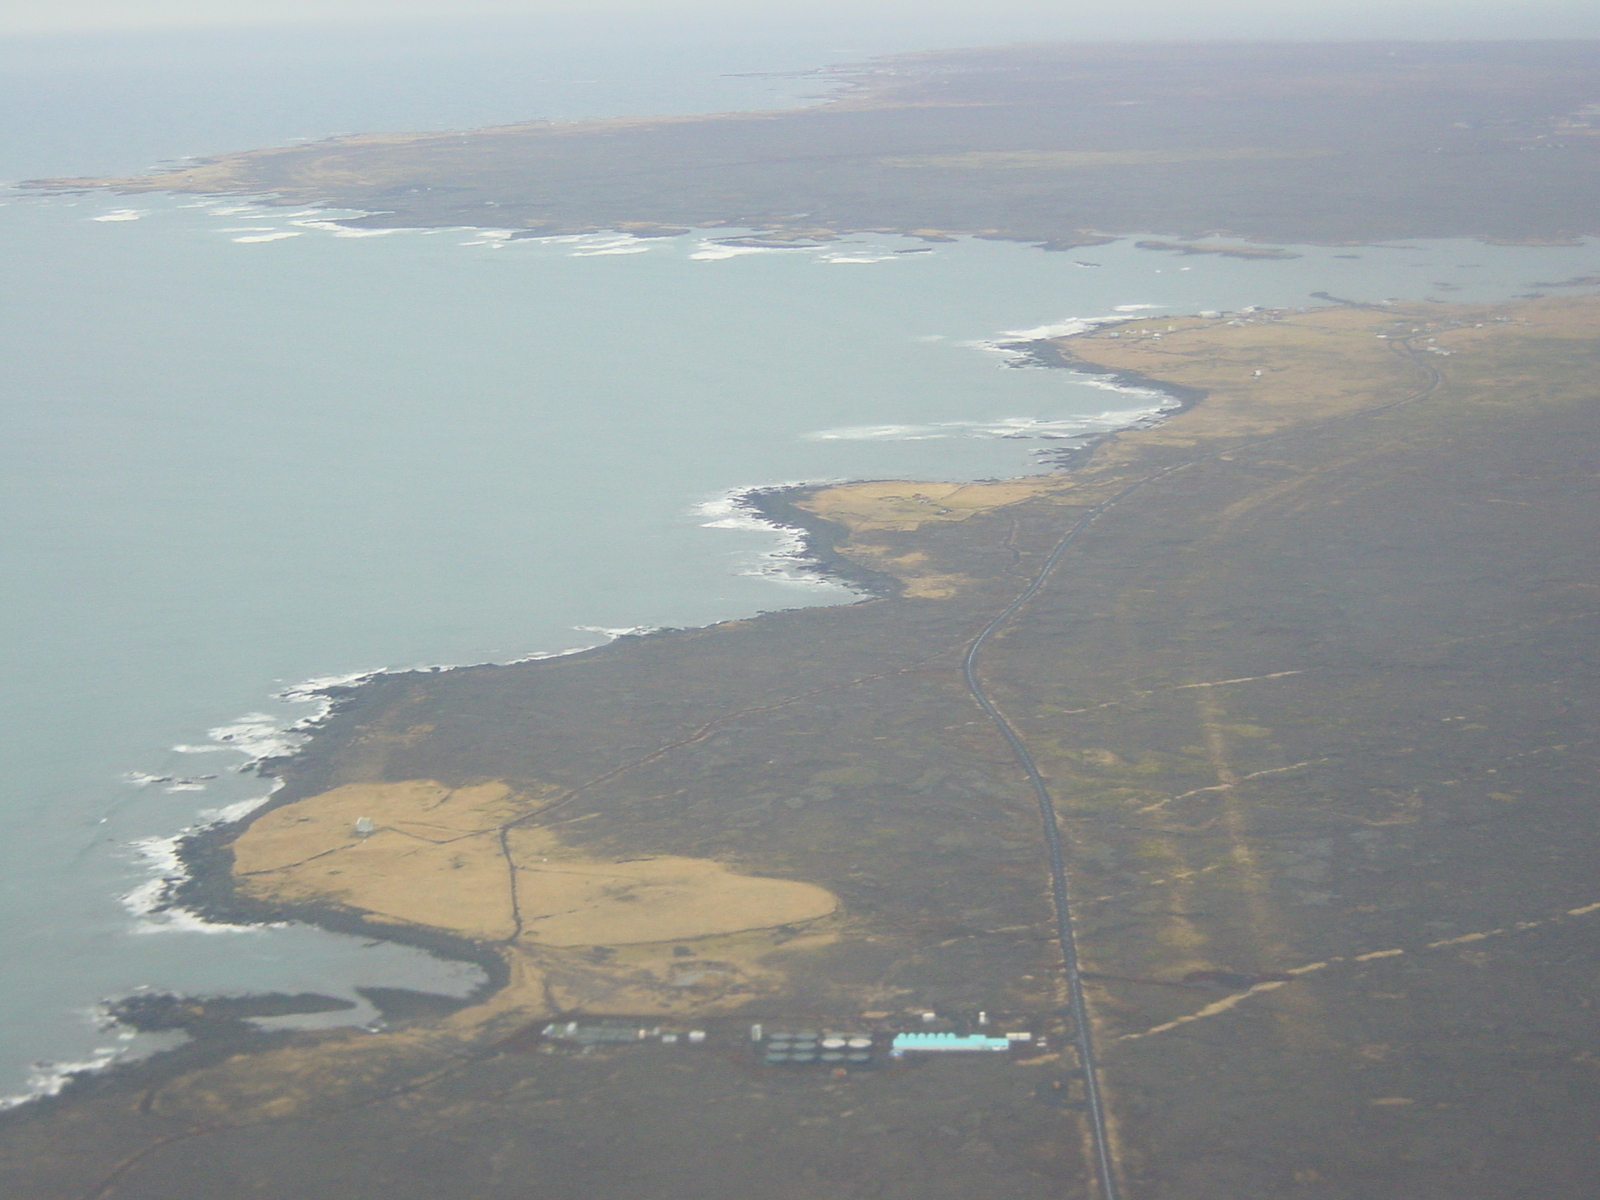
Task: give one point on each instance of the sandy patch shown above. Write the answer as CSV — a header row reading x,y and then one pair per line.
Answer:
x,y
433,859
904,505
879,507
453,859
569,901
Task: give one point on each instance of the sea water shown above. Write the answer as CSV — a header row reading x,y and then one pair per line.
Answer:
x,y
245,448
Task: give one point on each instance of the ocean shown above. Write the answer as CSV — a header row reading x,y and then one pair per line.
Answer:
x,y
247,449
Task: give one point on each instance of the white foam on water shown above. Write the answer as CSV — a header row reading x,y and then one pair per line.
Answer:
x,y
194,783
256,735
120,214
183,920
277,236
589,245
311,689
1157,397
541,655
227,814
490,237
1138,307
48,1078
852,251
1155,403
784,562
314,691
608,633
1007,427
714,252
731,510
344,231
150,903
160,855
1063,328
884,433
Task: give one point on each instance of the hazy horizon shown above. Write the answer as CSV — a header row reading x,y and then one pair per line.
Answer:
x,y
1007,21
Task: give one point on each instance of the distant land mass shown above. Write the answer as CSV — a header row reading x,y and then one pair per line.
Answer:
x,y
1059,145
1274,722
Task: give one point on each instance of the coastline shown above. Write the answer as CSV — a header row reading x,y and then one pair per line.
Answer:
x,y
207,889
200,885
1051,354
1113,704
878,156
812,546
194,878
816,551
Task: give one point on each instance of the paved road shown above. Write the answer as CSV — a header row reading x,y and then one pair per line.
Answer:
x,y
1066,930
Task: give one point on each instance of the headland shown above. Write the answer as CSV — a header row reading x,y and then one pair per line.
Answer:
x,y
1061,146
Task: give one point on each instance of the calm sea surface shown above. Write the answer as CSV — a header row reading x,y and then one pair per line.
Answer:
x,y
244,449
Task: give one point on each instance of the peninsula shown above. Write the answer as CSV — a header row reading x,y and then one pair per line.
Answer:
x,y
1059,145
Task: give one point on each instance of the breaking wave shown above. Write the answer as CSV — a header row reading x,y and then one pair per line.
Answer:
x,y
785,560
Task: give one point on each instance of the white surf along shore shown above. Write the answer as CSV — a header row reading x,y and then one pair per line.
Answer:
x,y
260,736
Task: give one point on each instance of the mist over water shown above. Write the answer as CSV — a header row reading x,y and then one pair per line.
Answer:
x,y
246,448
